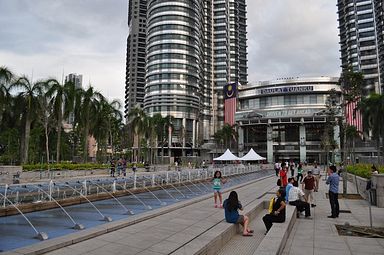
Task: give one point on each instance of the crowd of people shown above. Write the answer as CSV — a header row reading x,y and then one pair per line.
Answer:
x,y
296,190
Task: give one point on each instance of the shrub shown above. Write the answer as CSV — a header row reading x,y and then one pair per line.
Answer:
x,y
64,166
363,170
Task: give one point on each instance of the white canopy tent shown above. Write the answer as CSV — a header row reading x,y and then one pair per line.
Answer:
x,y
252,156
227,156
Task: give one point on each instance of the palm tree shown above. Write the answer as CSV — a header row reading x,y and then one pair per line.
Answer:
x,y
29,93
108,123
351,134
137,118
45,112
372,108
229,133
88,104
62,97
6,77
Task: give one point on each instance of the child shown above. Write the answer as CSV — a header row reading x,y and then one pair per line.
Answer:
x,y
231,206
217,181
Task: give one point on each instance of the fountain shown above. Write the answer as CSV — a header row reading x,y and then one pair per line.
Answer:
x,y
194,193
196,187
137,198
104,218
39,235
161,203
76,226
184,196
166,191
127,211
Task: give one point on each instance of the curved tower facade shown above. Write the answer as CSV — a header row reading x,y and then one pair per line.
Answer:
x,y
175,66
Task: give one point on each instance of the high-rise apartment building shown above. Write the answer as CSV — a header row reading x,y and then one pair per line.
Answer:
x,y
361,38
77,79
135,65
193,49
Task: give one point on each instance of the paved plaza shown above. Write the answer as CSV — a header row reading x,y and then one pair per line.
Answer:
x,y
187,227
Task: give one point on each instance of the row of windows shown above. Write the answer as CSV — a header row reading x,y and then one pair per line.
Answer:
x,y
172,76
172,17
259,103
167,87
172,108
172,56
173,46
189,39
167,8
172,27
158,67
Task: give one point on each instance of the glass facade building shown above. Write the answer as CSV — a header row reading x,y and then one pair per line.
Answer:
x,y
361,40
285,118
192,49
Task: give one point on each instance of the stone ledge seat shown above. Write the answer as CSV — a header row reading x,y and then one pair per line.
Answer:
x,y
276,238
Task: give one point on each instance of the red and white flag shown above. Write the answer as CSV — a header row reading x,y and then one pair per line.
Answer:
x,y
230,101
353,115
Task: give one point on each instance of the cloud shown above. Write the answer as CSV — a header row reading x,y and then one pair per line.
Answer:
x,y
292,38
285,39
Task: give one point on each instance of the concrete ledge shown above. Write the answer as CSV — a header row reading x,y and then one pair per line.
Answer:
x,y
274,242
211,241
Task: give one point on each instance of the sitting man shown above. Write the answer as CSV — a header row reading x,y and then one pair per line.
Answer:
x,y
296,197
278,211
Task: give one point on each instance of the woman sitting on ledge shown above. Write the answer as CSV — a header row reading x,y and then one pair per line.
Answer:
x,y
231,207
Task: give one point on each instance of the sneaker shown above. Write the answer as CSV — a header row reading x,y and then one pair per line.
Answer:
x,y
308,217
215,205
221,205
330,216
313,205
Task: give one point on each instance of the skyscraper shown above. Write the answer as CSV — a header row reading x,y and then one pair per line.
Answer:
x,y
361,35
135,65
77,79
193,49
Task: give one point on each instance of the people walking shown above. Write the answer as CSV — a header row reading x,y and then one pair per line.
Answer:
x,y
316,174
333,193
283,174
112,168
232,206
277,168
292,168
309,185
300,172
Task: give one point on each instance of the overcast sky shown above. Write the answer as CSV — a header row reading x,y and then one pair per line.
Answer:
x,y
46,38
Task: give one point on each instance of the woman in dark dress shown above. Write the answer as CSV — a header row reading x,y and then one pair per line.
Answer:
x,y
278,211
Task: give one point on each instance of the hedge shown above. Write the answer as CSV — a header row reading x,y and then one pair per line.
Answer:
x,y
71,166
363,170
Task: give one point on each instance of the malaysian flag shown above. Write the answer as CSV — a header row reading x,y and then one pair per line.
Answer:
x,y
353,115
230,94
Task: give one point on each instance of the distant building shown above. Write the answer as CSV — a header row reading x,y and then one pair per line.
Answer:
x,y
135,60
182,53
285,118
361,40
77,79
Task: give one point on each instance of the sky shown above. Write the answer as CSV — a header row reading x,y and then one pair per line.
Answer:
x,y
46,39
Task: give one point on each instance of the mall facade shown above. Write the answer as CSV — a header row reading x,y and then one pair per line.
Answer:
x,y
285,118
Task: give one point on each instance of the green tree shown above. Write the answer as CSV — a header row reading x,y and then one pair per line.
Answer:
x,y
351,134
137,118
229,134
62,97
29,93
372,108
6,77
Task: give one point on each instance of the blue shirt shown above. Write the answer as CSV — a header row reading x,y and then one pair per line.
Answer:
x,y
289,186
233,215
333,181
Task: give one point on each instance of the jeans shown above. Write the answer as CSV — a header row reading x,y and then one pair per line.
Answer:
x,y
334,201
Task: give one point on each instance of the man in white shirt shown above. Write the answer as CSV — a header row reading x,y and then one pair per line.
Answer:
x,y
316,174
294,198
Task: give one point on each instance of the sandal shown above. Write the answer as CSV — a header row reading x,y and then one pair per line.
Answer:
x,y
250,231
247,234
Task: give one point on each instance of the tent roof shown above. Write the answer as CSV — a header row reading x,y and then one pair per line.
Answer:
x,y
227,156
252,156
